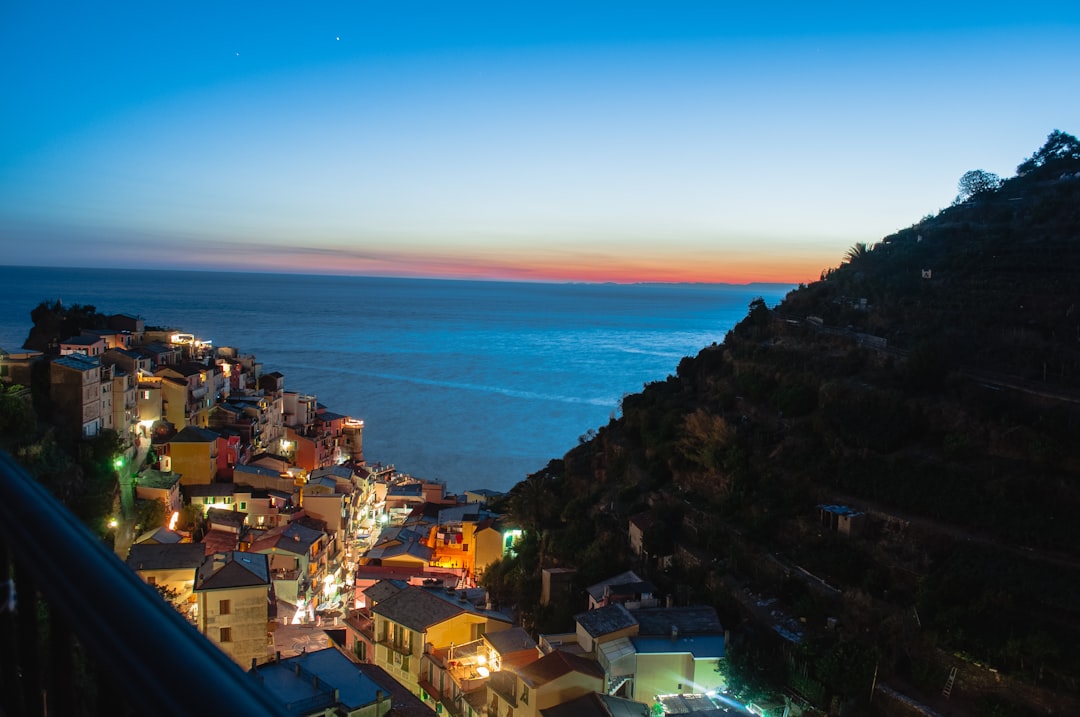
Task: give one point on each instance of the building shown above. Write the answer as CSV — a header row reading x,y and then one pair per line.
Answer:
x,y
626,588
297,560
416,620
193,453
322,683
75,393
233,599
554,679
169,567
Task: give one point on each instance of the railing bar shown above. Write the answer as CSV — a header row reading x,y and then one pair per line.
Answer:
x,y
61,678
26,615
113,611
9,653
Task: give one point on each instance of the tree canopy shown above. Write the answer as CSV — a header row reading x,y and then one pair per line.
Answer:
x,y
1059,146
975,182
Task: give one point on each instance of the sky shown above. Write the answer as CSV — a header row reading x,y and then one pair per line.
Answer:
x,y
541,141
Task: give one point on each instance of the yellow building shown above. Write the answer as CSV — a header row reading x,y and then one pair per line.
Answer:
x,y
554,679
417,619
193,453
170,567
232,591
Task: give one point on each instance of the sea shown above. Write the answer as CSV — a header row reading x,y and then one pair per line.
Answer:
x,y
473,383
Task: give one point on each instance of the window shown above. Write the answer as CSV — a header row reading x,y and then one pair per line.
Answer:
x,y
243,505
225,635
224,607
404,663
525,694
151,580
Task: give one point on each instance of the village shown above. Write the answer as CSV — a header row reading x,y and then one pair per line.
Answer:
x,y
347,588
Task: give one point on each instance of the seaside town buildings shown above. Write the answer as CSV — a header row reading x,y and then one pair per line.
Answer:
x,y
276,530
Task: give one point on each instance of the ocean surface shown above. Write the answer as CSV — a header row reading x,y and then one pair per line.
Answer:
x,y
473,383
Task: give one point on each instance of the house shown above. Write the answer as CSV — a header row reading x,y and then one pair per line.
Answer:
x,y
125,404
842,519
113,338
233,598
149,405
170,567
75,391
399,547
226,520
92,346
193,454
202,384
18,367
322,682
604,624
554,679
152,484
417,620
625,588
130,360
673,651
297,556
450,677
648,651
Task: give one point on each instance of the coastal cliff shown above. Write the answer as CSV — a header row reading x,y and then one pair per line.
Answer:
x,y
885,461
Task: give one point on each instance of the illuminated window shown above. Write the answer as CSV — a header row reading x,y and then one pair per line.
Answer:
x,y
225,635
150,579
224,607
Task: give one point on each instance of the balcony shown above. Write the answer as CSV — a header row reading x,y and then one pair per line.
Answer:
x,y
81,634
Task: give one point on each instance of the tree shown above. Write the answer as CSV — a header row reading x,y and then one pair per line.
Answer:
x,y
152,514
1059,145
976,182
857,252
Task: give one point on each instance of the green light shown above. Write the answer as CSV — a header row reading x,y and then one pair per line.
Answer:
x,y
118,462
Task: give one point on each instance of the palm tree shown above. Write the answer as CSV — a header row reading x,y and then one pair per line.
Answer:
x,y
857,252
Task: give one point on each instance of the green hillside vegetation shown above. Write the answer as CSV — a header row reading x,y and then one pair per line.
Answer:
x,y
932,381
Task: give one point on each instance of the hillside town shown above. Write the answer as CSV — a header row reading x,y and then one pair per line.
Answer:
x,y
343,587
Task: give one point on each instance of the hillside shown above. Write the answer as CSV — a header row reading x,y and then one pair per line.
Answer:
x,y
930,383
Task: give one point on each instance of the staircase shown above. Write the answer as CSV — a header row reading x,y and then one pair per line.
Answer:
x,y
946,692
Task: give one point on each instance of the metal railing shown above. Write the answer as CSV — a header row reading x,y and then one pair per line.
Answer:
x,y
81,634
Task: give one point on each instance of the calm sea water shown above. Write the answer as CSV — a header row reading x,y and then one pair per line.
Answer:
x,y
476,384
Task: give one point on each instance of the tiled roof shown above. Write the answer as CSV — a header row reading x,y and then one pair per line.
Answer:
x,y
513,640
232,570
384,589
298,682
556,664
194,434
597,590
292,538
165,556
79,362
420,608
605,620
219,541
695,620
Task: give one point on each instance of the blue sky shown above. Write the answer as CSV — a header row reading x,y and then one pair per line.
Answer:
x,y
625,141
